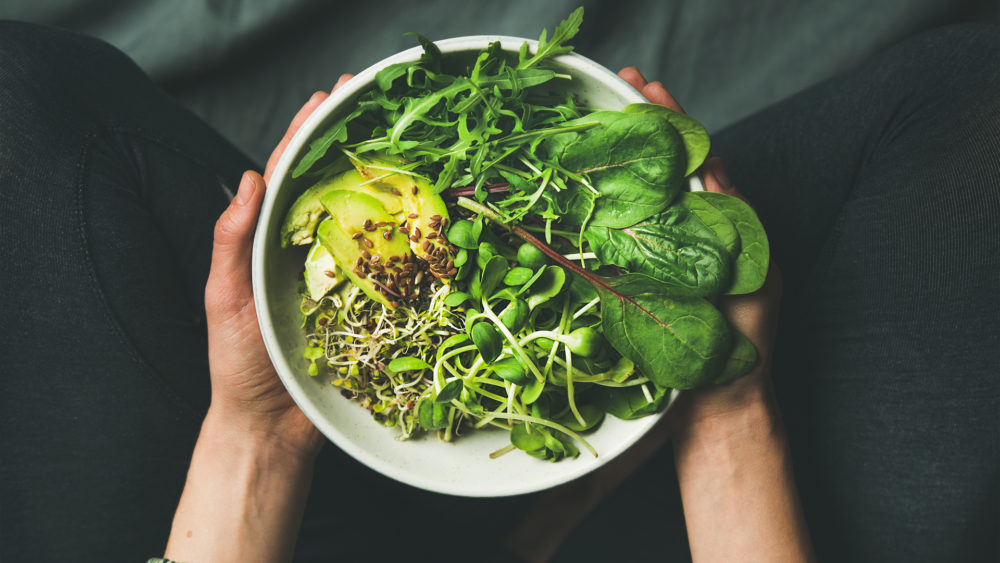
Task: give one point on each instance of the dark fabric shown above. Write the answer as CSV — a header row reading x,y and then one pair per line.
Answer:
x,y
880,192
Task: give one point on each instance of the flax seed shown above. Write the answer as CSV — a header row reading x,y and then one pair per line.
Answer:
x,y
413,215
357,235
330,274
413,190
366,255
387,235
417,233
369,243
432,234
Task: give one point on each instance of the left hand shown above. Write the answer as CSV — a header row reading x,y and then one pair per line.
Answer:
x,y
247,395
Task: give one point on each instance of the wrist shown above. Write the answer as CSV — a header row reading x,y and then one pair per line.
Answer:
x,y
291,440
724,413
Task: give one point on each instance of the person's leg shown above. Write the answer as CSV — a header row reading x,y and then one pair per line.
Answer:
x,y
880,191
109,191
108,195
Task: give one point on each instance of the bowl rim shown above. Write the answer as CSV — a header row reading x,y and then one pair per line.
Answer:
x,y
301,396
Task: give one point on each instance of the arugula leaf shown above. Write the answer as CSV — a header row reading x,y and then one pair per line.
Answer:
x,y
336,133
550,48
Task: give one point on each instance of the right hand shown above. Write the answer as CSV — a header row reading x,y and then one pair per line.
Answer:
x,y
755,314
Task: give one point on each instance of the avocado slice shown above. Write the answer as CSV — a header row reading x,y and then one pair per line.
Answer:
x,y
364,239
425,218
306,212
321,274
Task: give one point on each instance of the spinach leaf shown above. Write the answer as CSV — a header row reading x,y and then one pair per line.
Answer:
x,y
714,219
750,268
692,132
673,247
742,359
630,403
628,168
675,342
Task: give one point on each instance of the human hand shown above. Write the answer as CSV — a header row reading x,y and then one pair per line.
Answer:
x,y
755,315
247,395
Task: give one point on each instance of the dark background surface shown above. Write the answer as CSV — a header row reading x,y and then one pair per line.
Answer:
x,y
246,66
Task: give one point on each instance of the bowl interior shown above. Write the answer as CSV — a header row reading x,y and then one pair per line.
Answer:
x,y
462,467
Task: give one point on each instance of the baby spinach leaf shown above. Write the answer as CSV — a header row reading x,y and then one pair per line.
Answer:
x,y
675,342
634,162
750,268
630,403
714,219
742,359
692,132
673,247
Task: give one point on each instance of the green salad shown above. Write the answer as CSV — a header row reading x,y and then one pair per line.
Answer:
x,y
488,252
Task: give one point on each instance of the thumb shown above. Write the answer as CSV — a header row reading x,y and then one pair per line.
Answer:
x,y
229,287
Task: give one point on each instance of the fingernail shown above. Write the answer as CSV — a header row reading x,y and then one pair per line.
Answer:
x,y
247,189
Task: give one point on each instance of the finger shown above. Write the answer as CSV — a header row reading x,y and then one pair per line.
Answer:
x,y
229,289
716,179
341,81
297,121
632,75
656,93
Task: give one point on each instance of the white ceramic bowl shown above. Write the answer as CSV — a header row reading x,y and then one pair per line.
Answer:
x,y
462,467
